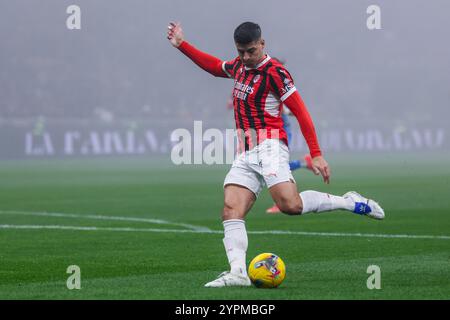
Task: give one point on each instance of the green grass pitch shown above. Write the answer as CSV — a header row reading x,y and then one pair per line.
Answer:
x,y
173,257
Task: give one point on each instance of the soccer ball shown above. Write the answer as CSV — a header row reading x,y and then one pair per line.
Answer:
x,y
267,270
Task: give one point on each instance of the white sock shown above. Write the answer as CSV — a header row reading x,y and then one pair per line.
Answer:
x,y
236,243
314,201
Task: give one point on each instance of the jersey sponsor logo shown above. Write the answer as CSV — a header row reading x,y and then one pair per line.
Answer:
x,y
242,90
243,87
240,95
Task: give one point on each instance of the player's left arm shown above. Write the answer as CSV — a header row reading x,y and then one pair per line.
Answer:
x,y
283,85
295,103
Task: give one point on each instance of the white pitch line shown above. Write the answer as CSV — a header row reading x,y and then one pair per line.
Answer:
x,y
79,228
102,217
362,235
279,232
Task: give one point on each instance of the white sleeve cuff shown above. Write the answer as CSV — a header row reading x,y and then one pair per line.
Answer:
x,y
225,70
287,94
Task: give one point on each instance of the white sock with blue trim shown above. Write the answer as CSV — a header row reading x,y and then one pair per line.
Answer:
x,y
314,201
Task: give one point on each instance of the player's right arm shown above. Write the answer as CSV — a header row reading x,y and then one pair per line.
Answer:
x,y
205,61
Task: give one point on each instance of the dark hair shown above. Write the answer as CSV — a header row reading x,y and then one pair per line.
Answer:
x,y
247,32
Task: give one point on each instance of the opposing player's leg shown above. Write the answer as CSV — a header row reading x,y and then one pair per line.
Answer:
x,y
306,163
273,209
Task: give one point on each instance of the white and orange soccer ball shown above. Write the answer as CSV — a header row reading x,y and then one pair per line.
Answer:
x,y
267,270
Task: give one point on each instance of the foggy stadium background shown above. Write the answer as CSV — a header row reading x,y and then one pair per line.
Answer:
x,y
382,90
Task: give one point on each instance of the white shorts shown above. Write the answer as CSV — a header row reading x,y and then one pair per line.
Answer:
x,y
266,164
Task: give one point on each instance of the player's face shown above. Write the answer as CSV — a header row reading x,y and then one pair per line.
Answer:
x,y
252,53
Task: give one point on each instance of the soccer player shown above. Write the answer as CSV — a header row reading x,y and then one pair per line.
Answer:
x,y
261,85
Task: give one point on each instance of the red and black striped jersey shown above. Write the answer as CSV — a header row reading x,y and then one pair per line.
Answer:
x,y
258,95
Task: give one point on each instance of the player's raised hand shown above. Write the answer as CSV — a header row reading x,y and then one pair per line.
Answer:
x,y
175,34
320,166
